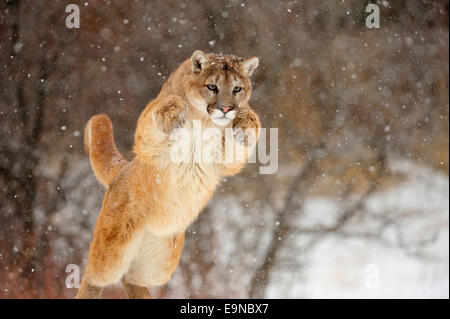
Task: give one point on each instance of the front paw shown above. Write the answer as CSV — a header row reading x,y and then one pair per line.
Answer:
x,y
246,129
172,115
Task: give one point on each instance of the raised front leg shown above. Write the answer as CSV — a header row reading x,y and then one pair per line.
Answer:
x,y
246,128
170,113
245,135
156,123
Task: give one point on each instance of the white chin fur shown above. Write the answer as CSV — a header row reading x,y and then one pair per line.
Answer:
x,y
222,121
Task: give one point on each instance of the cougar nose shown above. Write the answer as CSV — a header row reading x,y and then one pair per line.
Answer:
x,y
225,109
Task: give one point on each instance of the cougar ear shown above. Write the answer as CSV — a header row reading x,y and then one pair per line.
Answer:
x,y
199,61
249,65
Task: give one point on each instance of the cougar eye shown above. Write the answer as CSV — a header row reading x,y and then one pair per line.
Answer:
x,y
212,87
237,89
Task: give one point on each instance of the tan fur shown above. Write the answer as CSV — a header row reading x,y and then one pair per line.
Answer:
x,y
134,291
150,201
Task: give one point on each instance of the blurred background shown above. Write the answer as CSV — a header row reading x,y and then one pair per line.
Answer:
x,y
359,204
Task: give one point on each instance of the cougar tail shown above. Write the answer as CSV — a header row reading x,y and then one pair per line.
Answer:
x,y
106,161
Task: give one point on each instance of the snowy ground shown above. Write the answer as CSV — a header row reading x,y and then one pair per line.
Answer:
x,y
410,260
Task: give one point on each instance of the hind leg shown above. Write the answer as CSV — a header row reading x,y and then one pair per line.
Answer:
x,y
135,292
88,291
107,264
117,237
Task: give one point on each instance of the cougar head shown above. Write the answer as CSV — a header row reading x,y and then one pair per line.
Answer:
x,y
220,85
